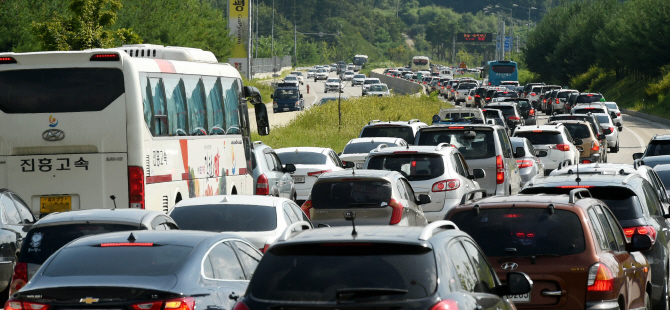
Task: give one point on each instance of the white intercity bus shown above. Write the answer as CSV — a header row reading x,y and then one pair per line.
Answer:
x,y
420,63
140,126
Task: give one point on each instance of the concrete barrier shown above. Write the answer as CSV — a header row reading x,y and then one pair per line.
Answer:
x,y
646,116
398,85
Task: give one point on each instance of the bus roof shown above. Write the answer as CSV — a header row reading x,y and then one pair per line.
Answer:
x,y
498,62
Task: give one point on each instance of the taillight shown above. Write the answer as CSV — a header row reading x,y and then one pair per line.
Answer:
x,y
155,305
618,114
600,278
317,173
184,303
586,161
469,97
476,96
612,129
562,147
544,100
533,94
265,248
136,187
105,57
557,100
531,112
488,98
448,185
262,185
641,230
19,278
500,170
14,304
452,90
240,306
446,304
396,216
305,208
7,60
514,118
595,146
442,87
524,163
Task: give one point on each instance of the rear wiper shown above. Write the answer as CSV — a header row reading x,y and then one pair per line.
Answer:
x,y
349,294
532,257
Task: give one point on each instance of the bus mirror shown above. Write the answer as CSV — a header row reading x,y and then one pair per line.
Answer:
x,y
254,94
262,119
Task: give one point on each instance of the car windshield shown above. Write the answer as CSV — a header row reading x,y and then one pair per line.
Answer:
x,y
290,78
359,76
540,137
588,98
378,87
225,217
333,80
375,81
578,131
414,167
286,94
342,194
472,144
325,100
46,240
316,272
505,94
156,260
301,158
403,132
523,231
364,147
658,147
321,70
603,119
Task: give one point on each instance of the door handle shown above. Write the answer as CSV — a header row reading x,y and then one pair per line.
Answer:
x,y
234,296
552,293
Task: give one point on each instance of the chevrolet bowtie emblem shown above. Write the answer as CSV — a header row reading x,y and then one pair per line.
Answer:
x,y
89,300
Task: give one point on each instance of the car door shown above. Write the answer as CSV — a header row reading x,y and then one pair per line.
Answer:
x,y
511,167
285,181
421,219
463,172
224,274
410,208
274,176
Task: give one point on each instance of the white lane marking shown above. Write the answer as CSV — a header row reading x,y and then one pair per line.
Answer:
x,y
639,139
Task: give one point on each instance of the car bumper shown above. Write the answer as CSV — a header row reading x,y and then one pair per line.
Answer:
x,y
449,203
530,120
602,305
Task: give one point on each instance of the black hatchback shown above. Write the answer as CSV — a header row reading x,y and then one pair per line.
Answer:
x,y
380,267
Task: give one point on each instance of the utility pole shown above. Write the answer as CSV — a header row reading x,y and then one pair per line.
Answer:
x,y
453,51
272,45
502,44
256,28
397,4
249,44
295,37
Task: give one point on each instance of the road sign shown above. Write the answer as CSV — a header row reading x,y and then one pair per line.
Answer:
x,y
474,37
508,44
463,66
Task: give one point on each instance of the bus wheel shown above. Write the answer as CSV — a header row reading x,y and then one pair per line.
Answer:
x,y
234,192
178,199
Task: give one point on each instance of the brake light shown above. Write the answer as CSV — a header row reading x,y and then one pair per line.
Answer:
x,y
557,100
641,230
105,57
240,305
14,304
184,303
574,186
524,163
562,147
404,152
489,83
586,161
514,118
19,278
612,129
544,100
442,87
446,304
455,127
396,216
262,185
512,215
476,96
469,97
122,244
136,187
500,170
533,94
589,95
306,207
618,114
7,60
488,98
445,186
452,90
318,173
531,112
537,130
595,146
600,278
265,248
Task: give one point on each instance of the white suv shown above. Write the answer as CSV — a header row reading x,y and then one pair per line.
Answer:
x,y
398,129
555,140
439,171
357,149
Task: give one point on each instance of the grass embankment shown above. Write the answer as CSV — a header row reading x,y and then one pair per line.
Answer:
x,y
318,126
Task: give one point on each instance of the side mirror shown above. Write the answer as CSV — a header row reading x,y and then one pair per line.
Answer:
x,y
517,283
542,154
478,173
579,141
300,96
520,152
262,122
289,168
424,199
620,128
607,131
322,225
272,96
639,243
601,137
349,164
637,156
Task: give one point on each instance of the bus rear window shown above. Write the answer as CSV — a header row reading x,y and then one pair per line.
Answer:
x,y
503,69
59,90
420,62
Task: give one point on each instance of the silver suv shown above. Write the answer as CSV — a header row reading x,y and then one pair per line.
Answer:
x,y
271,178
397,129
483,146
555,141
377,197
439,171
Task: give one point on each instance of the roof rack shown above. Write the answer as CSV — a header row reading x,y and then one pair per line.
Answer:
x,y
466,195
441,145
574,192
414,120
429,230
287,232
374,121
627,179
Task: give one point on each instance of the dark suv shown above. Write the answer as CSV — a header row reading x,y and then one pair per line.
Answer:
x,y
378,267
635,205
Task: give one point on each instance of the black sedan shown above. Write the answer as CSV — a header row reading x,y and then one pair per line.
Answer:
x,y
527,111
16,221
142,270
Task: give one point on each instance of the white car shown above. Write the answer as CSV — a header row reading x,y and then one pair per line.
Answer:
x,y
369,81
311,73
321,74
613,107
310,163
553,139
259,219
462,91
358,149
292,79
298,74
358,79
470,100
379,90
348,75
334,84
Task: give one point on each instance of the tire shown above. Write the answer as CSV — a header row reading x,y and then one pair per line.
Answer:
x,y
4,295
664,303
647,302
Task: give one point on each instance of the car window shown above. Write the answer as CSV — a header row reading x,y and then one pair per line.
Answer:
x,y
11,213
249,257
401,189
462,266
458,165
479,146
291,215
658,186
530,148
277,162
225,217
225,265
336,159
505,144
485,275
410,191
269,161
616,229
598,230
24,211
607,229
653,204
301,214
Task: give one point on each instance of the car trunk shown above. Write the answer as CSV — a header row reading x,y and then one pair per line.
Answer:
x,y
371,199
103,294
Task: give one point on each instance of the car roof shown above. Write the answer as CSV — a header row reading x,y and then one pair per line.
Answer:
x,y
586,180
256,200
447,148
410,123
98,215
604,168
173,237
367,233
500,103
446,126
359,173
664,167
570,121
309,149
554,127
525,200
375,139
661,137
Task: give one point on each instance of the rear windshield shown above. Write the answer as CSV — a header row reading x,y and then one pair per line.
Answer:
x,y
59,90
505,109
564,94
622,201
479,145
503,69
318,272
603,119
44,241
588,98
612,106
286,94
413,167
157,260
226,217
509,94
403,132
491,113
658,147
420,61
578,131
364,147
375,81
587,110
467,86
351,194
573,117
545,137
521,103
302,158
523,231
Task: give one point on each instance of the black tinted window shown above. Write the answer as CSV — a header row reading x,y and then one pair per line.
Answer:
x,y
503,69
529,231
622,201
286,94
491,113
588,98
158,260
404,132
541,137
363,147
351,194
603,119
59,90
477,146
302,158
665,176
588,110
413,167
316,272
658,147
505,94
506,109
578,131
226,217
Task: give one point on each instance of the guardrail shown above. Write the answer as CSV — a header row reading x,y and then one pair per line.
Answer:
x,y
398,85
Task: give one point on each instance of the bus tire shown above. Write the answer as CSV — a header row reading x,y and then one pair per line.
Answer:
x,y
177,199
234,191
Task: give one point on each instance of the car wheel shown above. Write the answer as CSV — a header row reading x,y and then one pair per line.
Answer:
x,y
664,303
647,302
325,91
4,295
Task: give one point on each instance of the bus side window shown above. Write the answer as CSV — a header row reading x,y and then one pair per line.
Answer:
x,y
159,122
146,101
214,105
231,91
195,97
176,105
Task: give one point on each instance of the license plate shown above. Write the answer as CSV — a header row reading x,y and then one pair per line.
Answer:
x,y
300,179
359,165
52,204
520,298
286,109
